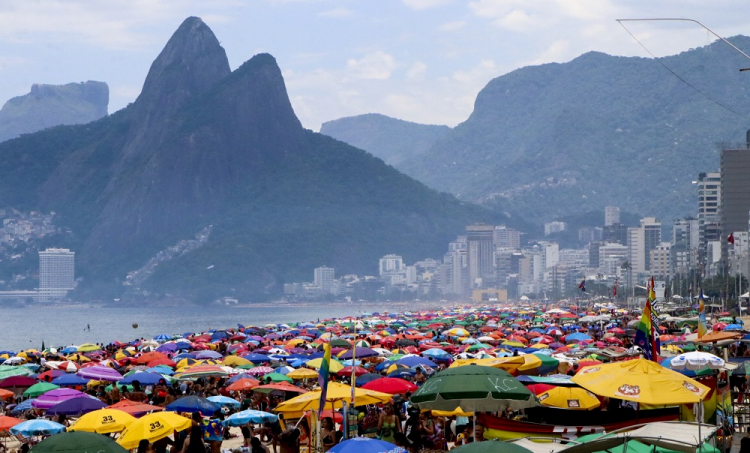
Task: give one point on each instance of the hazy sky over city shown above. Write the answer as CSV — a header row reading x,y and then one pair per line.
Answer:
x,y
418,60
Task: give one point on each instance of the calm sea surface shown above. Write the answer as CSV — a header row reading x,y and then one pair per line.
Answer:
x,y
23,328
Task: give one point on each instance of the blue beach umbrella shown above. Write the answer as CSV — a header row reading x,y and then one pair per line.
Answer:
x,y
143,377
70,380
38,427
224,401
366,445
415,360
23,406
162,337
194,403
249,416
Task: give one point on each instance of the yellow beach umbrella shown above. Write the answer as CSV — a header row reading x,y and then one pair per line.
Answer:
x,y
574,398
78,358
302,373
153,427
641,381
103,421
234,360
335,397
88,347
540,346
335,367
513,344
296,341
455,413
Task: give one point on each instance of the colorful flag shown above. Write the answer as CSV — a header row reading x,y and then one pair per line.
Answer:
x,y
354,369
702,328
730,239
323,376
614,288
651,292
643,335
582,286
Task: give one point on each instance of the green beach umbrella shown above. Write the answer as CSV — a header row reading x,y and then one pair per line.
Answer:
x,y
277,377
8,371
473,388
39,389
77,442
491,446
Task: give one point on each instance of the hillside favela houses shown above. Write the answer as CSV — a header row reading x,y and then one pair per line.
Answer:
x,y
56,278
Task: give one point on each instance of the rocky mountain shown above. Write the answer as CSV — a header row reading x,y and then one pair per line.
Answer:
x,y
390,139
208,185
547,141
52,105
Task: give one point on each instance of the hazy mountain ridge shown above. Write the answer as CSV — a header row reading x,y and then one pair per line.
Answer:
x,y
549,140
46,106
202,146
387,138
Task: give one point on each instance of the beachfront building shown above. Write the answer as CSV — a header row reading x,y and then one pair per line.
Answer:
x,y
480,255
661,261
735,198
56,273
323,279
554,227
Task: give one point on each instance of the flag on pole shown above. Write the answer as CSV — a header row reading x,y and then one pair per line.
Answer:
x,y
614,288
324,375
582,286
730,239
643,333
354,369
702,328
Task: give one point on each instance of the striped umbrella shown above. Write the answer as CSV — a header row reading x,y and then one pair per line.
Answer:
x,y
53,397
260,370
200,371
100,373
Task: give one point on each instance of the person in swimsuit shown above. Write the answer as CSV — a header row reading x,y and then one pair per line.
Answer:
x,y
388,424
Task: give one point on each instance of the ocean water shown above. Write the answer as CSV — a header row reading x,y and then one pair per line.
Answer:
x,y
23,328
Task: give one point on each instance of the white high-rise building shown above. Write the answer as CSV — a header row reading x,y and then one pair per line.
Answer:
x,y
56,273
391,263
611,215
323,279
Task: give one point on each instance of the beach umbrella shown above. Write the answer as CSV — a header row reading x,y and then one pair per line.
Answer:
x,y
68,366
574,398
365,378
193,403
88,347
208,354
224,401
6,422
76,406
491,446
413,361
366,445
335,397
276,377
358,352
56,396
23,406
335,367
7,371
153,427
475,388
243,385
69,380
39,389
37,427
282,386
303,373
162,338
17,382
134,407
347,371
695,361
100,373
249,416
143,377
6,394
48,375
393,386
78,442
202,371
234,360
641,381
103,421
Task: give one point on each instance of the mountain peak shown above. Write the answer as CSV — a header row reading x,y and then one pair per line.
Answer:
x,y
190,63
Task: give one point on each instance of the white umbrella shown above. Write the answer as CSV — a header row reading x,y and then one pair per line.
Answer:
x,y
697,361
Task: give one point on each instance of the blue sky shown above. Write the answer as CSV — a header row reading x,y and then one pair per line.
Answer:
x,y
418,60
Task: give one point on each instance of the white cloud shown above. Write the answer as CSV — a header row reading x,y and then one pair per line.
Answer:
x,y
337,12
452,26
417,71
9,62
479,72
424,4
376,65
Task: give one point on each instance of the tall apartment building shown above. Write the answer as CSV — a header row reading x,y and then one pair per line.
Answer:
x,y
735,196
660,259
391,263
323,279
709,212
611,215
456,281
554,227
480,254
616,232
641,240
685,246
56,273
506,238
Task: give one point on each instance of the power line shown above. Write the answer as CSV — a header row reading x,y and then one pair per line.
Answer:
x,y
706,95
